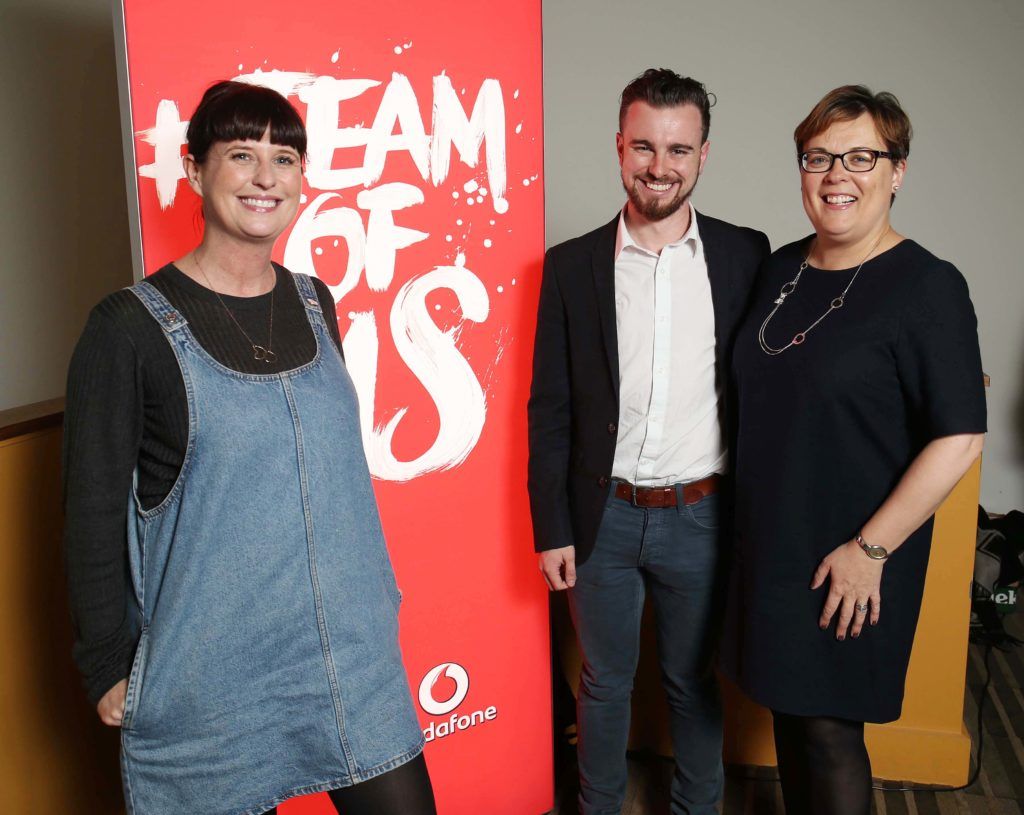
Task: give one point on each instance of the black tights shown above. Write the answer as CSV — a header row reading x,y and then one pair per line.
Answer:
x,y
404,790
823,765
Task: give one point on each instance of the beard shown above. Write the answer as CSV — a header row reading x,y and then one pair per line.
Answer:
x,y
655,209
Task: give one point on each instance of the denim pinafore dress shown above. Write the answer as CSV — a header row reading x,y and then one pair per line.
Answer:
x,y
268,663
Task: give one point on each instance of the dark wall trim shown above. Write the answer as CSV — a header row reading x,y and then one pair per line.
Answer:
x,y
30,418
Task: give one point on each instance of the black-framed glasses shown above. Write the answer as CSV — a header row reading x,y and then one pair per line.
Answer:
x,y
861,160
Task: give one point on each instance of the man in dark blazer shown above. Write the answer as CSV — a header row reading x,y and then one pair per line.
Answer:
x,y
628,429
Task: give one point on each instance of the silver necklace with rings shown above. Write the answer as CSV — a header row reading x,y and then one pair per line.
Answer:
x,y
259,353
790,287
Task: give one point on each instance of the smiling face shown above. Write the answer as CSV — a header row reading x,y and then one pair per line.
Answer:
x,y
847,208
661,155
250,189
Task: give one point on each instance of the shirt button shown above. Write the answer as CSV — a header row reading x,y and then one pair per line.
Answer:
x,y
612,428
602,481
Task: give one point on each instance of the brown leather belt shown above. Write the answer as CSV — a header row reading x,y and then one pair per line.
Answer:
x,y
658,497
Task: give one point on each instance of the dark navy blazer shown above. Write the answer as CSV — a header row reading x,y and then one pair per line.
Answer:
x,y
574,399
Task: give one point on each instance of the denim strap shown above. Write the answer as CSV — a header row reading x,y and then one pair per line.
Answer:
x,y
314,311
166,315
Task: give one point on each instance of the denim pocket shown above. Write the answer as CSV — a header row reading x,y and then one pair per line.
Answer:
x,y
134,692
705,513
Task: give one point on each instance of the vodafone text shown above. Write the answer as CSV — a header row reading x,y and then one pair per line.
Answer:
x,y
440,707
456,723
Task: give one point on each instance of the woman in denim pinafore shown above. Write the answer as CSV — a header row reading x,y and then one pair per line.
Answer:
x,y
267,662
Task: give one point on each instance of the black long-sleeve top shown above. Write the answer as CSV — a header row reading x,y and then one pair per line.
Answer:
x,y
126,411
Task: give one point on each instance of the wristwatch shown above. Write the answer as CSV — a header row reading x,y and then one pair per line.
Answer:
x,y
873,552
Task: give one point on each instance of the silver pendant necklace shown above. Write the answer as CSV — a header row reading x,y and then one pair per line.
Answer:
x,y
790,287
259,353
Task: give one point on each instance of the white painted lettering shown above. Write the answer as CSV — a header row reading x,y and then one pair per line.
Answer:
x,y
167,137
434,358
322,99
383,237
316,222
486,122
398,107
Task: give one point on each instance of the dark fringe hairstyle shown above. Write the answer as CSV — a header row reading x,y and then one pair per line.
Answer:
x,y
237,110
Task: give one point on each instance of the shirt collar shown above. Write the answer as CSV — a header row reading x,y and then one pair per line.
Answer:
x,y
691,237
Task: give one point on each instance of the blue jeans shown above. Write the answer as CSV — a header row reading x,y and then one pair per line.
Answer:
x,y
673,554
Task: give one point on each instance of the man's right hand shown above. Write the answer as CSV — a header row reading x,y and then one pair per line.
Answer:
x,y
111,706
559,567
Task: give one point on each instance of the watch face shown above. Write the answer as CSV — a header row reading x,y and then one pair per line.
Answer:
x,y
873,552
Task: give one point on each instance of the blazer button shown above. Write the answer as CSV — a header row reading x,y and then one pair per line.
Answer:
x,y
612,428
602,481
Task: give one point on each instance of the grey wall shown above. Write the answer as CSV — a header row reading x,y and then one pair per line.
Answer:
x,y
958,69
63,228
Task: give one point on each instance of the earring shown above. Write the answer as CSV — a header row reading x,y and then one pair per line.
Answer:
x,y
895,187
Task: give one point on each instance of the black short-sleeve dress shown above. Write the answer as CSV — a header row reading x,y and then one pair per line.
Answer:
x,y
826,430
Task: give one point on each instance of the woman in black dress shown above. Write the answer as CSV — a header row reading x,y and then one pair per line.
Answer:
x,y
860,406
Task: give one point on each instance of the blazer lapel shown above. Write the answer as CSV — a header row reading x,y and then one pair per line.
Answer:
x,y
603,265
717,258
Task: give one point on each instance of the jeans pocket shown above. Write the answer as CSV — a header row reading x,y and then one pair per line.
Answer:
x,y
135,678
705,513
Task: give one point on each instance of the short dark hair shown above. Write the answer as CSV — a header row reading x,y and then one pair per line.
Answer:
x,y
850,102
663,88
237,110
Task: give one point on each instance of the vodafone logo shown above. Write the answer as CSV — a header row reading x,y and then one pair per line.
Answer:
x,y
457,674
453,673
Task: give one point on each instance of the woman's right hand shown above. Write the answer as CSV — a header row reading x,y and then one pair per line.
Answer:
x,y
111,706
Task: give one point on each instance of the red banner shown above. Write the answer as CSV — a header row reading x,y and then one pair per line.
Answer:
x,y
423,211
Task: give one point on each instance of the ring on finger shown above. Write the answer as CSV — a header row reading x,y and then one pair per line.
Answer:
x,y
862,608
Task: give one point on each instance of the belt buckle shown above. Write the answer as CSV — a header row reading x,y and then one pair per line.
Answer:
x,y
632,500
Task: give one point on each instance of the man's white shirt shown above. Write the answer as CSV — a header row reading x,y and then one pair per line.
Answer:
x,y
668,430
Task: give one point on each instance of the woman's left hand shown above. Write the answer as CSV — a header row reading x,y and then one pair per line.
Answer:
x,y
854,589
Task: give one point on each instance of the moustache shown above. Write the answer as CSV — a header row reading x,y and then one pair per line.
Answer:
x,y
665,179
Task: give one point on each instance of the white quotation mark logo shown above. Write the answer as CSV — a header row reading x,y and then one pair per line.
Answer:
x,y
454,672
